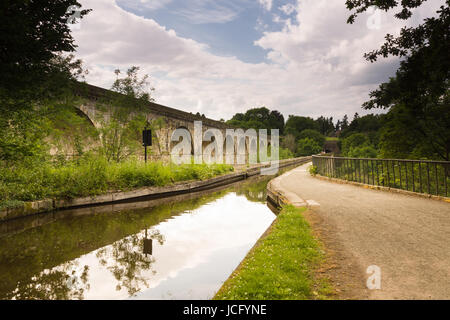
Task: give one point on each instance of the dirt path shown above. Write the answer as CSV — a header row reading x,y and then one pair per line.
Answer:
x,y
407,237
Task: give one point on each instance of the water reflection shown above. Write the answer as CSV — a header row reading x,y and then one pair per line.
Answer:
x,y
99,254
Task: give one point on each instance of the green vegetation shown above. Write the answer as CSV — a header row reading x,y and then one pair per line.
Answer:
x,y
37,71
93,176
79,235
295,125
307,147
29,55
281,266
285,154
314,135
313,170
411,176
88,161
358,145
417,98
258,118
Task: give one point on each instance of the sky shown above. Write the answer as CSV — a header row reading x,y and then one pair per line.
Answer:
x,y
220,57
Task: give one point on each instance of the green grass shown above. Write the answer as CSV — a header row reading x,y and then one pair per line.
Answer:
x,y
282,265
93,176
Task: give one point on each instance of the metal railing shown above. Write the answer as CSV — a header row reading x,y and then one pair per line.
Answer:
x,y
430,177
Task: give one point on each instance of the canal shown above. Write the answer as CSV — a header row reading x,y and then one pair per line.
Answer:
x,y
182,247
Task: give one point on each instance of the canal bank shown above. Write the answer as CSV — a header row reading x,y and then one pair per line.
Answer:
x,y
282,265
284,262
99,252
48,205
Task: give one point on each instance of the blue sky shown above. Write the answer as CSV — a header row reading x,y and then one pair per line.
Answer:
x,y
220,57
228,27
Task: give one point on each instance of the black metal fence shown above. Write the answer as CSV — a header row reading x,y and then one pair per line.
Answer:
x,y
430,177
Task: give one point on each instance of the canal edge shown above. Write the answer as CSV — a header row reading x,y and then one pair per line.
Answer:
x,y
281,197
275,196
50,205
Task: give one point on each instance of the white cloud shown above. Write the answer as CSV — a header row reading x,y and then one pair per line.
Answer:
x,y
288,9
216,14
144,4
316,66
267,4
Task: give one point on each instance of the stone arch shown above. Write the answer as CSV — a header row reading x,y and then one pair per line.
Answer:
x,y
91,114
84,115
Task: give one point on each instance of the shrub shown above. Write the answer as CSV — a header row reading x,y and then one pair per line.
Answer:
x,y
307,147
353,141
364,151
313,170
285,153
92,175
314,135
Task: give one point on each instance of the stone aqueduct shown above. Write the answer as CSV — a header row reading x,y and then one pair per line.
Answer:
x,y
94,96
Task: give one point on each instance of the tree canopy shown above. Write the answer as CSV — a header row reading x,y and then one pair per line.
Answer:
x,y
32,35
258,118
418,96
296,124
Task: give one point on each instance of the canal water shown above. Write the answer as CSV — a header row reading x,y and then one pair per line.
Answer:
x,y
181,247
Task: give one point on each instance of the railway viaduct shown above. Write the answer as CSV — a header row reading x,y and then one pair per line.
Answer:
x,y
97,106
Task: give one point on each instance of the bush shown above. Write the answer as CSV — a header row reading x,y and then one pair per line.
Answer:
x,y
314,135
358,146
353,141
364,151
92,176
313,170
307,147
285,153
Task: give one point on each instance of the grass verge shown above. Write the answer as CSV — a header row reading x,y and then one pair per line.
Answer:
x,y
93,176
282,265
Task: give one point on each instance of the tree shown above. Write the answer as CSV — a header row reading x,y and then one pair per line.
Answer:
x,y
276,121
344,123
121,139
33,33
307,147
258,118
314,135
355,141
338,125
410,40
295,125
370,125
25,125
420,88
289,142
120,136
326,126
34,37
364,151
133,87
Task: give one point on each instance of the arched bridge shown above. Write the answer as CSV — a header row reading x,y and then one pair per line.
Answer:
x,y
98,108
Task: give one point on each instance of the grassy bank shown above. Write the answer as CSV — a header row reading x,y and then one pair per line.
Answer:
x,y
92,176
281,266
